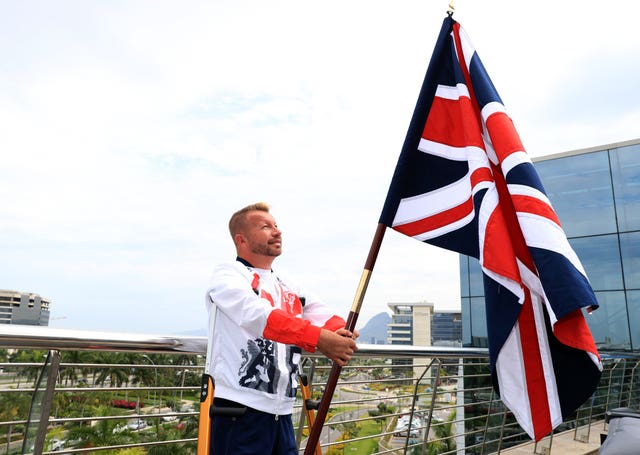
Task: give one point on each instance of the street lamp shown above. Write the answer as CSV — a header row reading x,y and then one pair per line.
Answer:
x,y
184,372
156,383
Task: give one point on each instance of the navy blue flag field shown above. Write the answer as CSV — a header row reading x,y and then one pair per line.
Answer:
x,y
465,183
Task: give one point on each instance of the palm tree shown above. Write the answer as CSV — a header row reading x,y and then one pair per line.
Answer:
x,y
13,406
28,356
70,374
444,432
116,375
101,434
143,376
171,449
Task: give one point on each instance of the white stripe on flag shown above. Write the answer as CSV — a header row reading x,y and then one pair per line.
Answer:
x,y
512,380
491,108
449,92
513,160
444,229
442,150
467,47
440,200
541,232
526,190
539,302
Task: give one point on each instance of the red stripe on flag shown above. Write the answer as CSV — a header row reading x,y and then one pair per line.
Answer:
x,y
436,221
530,204
573,331
534,372
452,122
504,137
482,174
467,76
499,256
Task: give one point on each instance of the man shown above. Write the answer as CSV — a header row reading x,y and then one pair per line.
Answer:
x,y
260,321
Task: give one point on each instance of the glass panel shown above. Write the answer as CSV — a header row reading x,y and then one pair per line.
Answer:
x,y
579,187
625,168
608,323
476,283
600,257
634,317
478,323
630,246
466,321
464,275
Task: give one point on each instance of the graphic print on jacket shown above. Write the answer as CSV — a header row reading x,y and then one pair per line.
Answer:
x,y
258,370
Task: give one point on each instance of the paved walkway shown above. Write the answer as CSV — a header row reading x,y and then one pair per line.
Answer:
x,y
564,443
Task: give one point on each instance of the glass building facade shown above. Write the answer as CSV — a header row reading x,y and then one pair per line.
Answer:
x,y
596,194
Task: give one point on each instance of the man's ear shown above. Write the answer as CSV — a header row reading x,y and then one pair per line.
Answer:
x,y
239,239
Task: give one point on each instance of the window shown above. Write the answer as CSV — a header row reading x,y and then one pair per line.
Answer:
x,y
600,257
579,186
630,248
609,325
625,169
633,301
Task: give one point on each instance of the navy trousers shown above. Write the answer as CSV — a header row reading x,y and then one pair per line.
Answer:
x,y
253,433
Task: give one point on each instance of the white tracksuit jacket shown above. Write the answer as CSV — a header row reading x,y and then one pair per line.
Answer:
x,y
259,323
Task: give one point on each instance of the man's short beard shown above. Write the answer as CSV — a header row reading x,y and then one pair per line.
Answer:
x,y
265,250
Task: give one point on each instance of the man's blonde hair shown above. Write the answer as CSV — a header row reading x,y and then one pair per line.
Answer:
x,y
238,219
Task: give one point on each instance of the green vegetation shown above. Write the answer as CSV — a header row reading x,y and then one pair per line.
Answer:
x,y
89,402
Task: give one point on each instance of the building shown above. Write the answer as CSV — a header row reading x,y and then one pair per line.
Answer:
x,y
446,328
410,323
596,194
23,308
418,324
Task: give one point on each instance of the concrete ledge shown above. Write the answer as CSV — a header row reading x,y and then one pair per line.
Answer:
x,y
564,443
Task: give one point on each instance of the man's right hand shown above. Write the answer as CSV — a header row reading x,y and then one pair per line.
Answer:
x,y
338,348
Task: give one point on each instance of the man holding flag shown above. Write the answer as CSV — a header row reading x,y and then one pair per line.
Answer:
x,y
259,322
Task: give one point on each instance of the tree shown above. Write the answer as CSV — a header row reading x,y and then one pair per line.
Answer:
x,y
13,406
30,373
70,374
116,375
102,433
381,413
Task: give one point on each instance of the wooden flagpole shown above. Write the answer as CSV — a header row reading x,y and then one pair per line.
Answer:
x,y
332,382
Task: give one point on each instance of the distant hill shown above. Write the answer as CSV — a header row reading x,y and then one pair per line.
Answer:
x,y
375,330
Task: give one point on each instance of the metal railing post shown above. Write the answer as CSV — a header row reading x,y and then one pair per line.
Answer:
x,y
41,400
631,381
413,404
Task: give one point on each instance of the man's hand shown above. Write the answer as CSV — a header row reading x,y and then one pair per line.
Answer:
x,y
345,333
338,346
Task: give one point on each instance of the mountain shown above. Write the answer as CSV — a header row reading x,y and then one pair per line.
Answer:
x,y
375,330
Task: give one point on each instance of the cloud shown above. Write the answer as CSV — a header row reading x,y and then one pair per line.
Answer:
x,y
132,130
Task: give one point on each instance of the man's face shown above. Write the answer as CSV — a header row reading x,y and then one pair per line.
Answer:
x,y
262,234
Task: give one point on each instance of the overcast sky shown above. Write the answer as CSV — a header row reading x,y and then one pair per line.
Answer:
x,y
131,130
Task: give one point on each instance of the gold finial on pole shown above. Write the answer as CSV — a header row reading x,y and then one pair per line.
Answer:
x,y
451,7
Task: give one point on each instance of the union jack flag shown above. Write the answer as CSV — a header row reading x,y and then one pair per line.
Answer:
x,y
464,182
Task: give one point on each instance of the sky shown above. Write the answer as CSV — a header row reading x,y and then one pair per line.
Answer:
x,y
130,131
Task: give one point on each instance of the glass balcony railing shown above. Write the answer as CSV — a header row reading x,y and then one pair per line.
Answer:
x,y
64,391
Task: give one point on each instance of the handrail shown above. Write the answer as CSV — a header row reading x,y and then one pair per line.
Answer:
x,y
474,431
36,337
